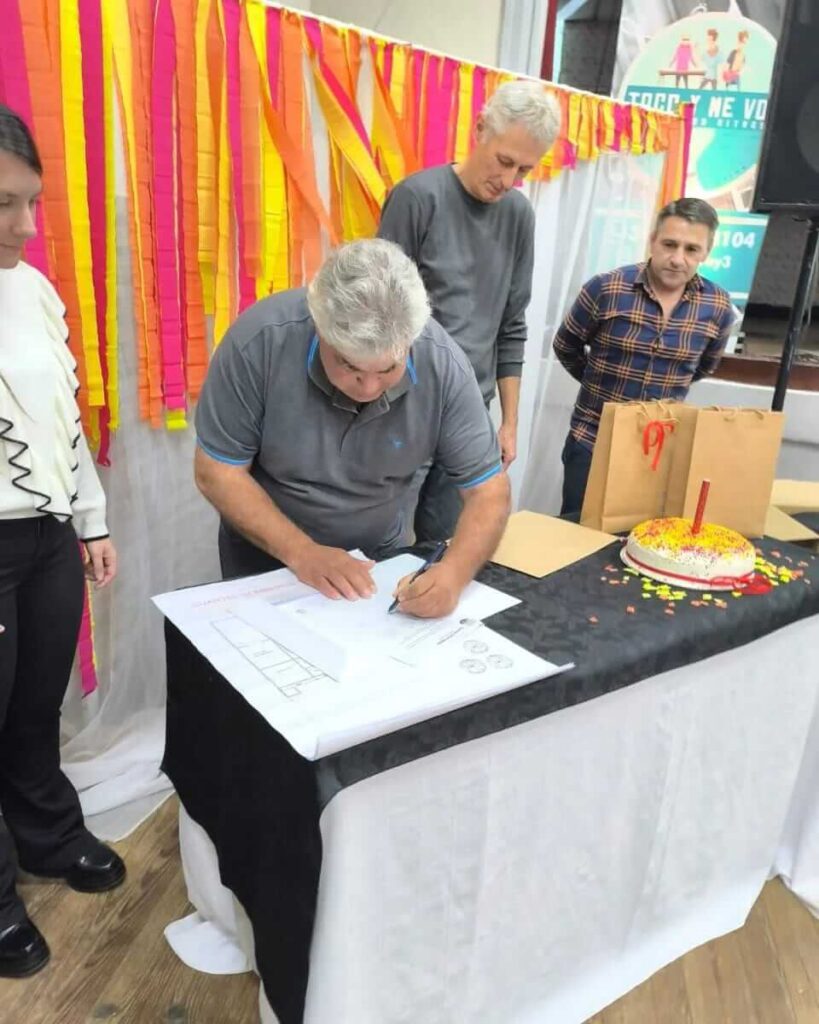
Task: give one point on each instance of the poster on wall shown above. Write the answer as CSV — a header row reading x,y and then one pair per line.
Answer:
x,y
721,62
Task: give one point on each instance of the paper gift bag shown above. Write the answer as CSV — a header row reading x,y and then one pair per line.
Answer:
x,y
630,465
737,450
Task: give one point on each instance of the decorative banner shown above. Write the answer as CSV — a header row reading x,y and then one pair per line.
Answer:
x,y
721,64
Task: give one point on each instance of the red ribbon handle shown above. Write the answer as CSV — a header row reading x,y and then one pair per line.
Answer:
x,y
654,437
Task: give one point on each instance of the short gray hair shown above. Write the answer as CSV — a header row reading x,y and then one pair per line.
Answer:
x,y
368,300
525,103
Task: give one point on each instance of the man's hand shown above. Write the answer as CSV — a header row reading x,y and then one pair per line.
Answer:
x,y
434,594
508,438
333,572
100,561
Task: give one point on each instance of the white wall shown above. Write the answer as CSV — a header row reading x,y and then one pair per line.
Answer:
x,y
458,28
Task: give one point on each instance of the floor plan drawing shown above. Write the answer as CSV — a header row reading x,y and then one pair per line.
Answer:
x,y
286,670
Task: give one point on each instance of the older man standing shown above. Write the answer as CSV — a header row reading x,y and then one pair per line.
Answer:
x,y
320,406
472,235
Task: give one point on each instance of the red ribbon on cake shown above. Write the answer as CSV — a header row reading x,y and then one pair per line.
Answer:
x,y
751,583
654,437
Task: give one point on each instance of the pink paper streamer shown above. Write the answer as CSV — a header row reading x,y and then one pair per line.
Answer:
x,y
478,93
274,36
85,649
620,115
183,188
94,119
440,77
165,242
417,71
233,14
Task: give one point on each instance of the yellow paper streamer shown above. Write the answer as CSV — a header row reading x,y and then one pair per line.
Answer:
x,y
463,129
117,13
226,285
77,182
111,270
206,161
275,251
175,419
637,146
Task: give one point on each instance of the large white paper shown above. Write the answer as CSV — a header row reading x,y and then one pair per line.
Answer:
x,y
390,671
346,638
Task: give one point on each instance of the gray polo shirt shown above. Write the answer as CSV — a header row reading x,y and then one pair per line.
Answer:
x,y
476,260
338,470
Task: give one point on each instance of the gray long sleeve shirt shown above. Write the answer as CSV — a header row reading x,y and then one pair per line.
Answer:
x,y
476,261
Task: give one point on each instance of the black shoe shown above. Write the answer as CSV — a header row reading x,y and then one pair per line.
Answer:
x,y
23,950
96,871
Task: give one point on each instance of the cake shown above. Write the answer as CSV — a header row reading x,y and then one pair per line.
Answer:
x,y
714,558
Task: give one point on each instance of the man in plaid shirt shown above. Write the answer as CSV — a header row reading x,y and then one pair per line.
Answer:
x,y
642,332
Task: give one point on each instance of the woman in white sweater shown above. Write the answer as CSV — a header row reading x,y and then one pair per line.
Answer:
x,y
49,497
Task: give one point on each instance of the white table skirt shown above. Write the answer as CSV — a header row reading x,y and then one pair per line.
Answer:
x,y
798,858
538,874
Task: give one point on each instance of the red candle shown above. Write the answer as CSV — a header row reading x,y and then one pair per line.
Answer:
x,y
704,487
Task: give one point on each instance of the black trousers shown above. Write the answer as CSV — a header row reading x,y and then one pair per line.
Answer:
x,y
41,597
439,507
238,557
576,465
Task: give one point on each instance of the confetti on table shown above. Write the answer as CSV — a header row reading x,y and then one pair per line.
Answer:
x,y
772,574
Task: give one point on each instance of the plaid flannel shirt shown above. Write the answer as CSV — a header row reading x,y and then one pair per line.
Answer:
x,y
613,340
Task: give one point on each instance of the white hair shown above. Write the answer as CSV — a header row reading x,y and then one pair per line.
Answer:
x,y
368,300
525,103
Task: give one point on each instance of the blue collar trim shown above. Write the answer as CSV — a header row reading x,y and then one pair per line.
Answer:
x,y
311,355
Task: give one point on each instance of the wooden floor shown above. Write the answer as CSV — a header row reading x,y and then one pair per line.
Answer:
x,y
110,961
109,958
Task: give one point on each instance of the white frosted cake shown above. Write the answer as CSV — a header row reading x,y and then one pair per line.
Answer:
x,y
715,558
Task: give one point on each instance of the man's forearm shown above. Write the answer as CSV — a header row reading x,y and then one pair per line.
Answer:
x,y
571,353
249,508
509,392
480,526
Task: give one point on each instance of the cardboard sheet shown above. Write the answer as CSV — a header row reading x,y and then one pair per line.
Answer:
x,y
781,526
538,544
796,495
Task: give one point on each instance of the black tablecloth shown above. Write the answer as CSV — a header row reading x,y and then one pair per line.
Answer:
x,y
260,802
809,519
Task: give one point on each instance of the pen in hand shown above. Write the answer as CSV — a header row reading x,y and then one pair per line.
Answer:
x,y
436,556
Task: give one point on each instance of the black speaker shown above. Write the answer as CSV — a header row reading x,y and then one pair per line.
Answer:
x,y
788,174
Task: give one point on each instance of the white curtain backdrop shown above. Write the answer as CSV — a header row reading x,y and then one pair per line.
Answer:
x,y
165,534
523,27
589,219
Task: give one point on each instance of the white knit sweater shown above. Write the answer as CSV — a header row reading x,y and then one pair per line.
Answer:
x,y
45,465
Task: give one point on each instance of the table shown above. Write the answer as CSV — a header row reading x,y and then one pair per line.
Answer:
x,y
531,857
798,858
676,75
